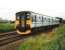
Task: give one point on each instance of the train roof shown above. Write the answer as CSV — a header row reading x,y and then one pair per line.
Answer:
x,y
19,13
22,12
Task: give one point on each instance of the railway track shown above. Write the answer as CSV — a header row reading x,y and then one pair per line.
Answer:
x,y
6,38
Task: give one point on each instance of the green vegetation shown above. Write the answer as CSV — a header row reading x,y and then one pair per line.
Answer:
x,y
6,27
46,42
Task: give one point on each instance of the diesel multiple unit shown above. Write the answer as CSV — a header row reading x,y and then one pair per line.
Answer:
x,y
27,21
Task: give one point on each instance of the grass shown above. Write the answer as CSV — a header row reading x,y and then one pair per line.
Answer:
x,y
6,27
53,41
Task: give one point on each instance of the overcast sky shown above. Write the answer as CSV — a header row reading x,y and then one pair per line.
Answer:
x,y
8,8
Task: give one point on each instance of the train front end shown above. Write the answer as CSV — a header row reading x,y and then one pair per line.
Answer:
x,y
23,22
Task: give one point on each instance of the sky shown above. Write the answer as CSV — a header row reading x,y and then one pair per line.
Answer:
x,y
55,8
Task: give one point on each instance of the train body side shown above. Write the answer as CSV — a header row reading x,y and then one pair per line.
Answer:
x,y
37,22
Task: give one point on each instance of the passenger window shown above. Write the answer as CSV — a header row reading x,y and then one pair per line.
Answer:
x,y
34,18
39,17
42,19
48,19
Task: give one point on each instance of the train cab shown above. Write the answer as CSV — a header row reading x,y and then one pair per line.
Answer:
x,y
23,22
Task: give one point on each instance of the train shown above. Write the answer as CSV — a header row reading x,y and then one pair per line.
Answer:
x,y
28,21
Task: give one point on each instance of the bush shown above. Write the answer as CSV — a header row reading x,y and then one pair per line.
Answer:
x,y
42,42
6,27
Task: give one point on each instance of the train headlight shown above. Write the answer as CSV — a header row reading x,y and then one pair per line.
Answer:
x,y
28,14
17,17
28,17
